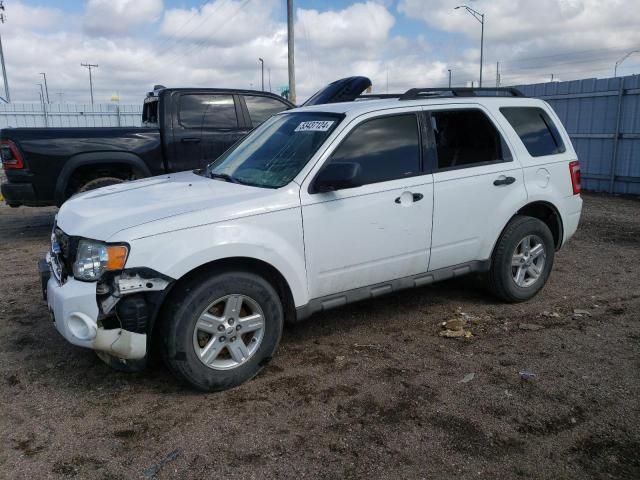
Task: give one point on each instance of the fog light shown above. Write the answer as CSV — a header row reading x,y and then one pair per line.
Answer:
x,y
81,326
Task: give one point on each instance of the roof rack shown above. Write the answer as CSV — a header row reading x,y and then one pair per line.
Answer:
x,y
417,93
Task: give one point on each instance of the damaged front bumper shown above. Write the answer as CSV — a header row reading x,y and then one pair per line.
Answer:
x,y
81,319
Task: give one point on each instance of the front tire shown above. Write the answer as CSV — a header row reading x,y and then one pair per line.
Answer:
x,y
219,331
522,259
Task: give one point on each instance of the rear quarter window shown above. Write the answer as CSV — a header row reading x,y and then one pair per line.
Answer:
x,y
535,128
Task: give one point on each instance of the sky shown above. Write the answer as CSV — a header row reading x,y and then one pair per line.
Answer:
x,y
399,44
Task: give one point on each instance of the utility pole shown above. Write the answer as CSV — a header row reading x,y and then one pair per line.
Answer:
x,y
262,71
552,77
497,74
90,66
41,92
46,88
480,18
449,78
292,67
4,70
269,72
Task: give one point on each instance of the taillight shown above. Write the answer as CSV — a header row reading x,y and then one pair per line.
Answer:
x,y
574,171
10,155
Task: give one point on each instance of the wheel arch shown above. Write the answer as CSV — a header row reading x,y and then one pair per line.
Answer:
x,y
245,264
543,211
547,213
96,159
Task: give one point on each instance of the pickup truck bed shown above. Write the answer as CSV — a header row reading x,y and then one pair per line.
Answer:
x,y
60,159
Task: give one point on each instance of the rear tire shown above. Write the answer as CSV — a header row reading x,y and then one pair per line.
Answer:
x,y
220,331
522,259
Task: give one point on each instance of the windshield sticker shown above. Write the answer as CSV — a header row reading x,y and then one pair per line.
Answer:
x,y
314,126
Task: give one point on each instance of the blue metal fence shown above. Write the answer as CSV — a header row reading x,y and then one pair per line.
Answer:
x,y
602,117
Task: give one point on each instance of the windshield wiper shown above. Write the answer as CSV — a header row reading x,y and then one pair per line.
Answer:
x,y
224,176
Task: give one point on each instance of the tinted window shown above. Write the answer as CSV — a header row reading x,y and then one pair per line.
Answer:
x,y
535,129
465,138
272,154
208,111
386,148
261,108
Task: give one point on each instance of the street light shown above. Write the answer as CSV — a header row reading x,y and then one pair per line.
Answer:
x,y
615,69
262,71
479,17
449,78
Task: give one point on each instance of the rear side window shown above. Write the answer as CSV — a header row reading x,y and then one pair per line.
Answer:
x,y
466,138
207,111
386,148
536,130
261,108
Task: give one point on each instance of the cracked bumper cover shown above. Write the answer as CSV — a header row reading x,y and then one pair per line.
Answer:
x,y
74,309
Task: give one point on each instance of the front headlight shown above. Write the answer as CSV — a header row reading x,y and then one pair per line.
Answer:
x,y
94,258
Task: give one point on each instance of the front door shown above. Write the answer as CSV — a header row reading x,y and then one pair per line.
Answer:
x,y
477,182
205,127
377,231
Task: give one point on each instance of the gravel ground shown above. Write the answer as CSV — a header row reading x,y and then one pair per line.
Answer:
x,y
366,391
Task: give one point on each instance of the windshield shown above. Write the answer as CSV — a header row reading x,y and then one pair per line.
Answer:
x,y
273,154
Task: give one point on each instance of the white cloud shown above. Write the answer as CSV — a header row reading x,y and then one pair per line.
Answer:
x,y
109,17
210,46
363,27
220,22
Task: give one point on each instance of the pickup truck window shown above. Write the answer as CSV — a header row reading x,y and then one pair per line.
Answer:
x,y
273,154
261,108
207,111
386,148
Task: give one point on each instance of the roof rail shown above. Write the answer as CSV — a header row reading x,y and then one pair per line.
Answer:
x,y
416,93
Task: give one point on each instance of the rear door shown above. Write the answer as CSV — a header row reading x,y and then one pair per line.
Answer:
x,y
261,107
205,126
478,184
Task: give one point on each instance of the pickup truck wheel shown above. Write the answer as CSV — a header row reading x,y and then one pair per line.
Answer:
x,y
98,183
522,259
219,332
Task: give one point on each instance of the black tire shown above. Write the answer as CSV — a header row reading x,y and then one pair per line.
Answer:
x,y
186,305
98,183
501,281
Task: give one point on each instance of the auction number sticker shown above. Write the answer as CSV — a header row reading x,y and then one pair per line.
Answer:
x,y
314,126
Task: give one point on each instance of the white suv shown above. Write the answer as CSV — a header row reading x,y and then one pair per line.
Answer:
x,y
318,207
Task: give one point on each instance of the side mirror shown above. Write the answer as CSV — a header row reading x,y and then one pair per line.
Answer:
x,y
337,176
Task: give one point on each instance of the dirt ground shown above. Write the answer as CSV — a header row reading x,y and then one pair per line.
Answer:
x,y
366,391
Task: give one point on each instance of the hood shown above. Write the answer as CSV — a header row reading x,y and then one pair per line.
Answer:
x,y
100,214
343,90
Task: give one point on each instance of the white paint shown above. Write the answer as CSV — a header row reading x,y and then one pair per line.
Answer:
x,y
327,242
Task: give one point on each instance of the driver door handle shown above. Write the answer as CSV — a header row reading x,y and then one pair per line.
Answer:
x,y
504,181
190,140
416,197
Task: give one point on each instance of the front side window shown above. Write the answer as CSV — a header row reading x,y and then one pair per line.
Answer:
x,y
261,108
466,138
386,148
274,153
207,111
536,130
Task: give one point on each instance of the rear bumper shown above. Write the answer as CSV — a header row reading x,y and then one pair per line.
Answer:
x,y
75,313
16,194
572,209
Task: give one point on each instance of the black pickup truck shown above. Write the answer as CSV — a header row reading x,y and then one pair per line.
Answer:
x,y
183,129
